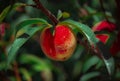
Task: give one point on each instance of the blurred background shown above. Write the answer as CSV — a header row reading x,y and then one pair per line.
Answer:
x,y
32,65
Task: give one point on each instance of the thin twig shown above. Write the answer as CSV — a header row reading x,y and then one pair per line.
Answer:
x,y
16,72
46,12
95,51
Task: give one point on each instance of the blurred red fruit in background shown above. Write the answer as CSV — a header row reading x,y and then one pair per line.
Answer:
x,y
104,25
104,37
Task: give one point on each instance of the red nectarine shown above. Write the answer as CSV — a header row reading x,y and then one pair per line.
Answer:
x,y
58,45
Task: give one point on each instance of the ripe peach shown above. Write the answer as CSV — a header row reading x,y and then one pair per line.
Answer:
x,y
59,45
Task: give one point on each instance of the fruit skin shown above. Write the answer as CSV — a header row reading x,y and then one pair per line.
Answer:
x,y
104,25
59,45
103,37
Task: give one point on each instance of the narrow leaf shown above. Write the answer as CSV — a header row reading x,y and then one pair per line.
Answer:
x,y
110,65
29,31
30,22
89,63
26,74
32,59
4,13
16,5
59,15
89,76
8,8
107,58
36,63
65,15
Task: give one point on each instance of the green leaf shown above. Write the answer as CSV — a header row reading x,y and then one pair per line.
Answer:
x,y
4,13
65,15
7,9
89,76
84,29
107,58
36,63
59,15
79,51
62,14
19,41
110,65
89,63
31,21
26,75
77,68
16,5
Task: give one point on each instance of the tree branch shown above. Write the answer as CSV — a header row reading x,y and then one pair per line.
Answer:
x,y
46,12
15,66
95,51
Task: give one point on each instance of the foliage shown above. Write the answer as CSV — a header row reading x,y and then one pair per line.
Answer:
x,y
22,59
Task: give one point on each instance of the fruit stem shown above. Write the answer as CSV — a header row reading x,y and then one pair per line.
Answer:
x,y
46,12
